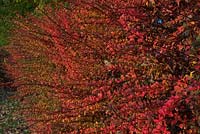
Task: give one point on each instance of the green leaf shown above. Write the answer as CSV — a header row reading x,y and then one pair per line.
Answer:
x,y
66,5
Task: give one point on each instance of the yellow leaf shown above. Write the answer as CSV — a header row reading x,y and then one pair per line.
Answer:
x,y
192,22
194,62
191,74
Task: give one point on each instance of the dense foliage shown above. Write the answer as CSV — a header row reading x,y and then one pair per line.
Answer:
x,y
109,66
10,8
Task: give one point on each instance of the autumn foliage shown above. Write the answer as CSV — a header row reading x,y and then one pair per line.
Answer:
x,y
109,66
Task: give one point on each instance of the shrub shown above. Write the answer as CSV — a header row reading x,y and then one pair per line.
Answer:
x,y
109,67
